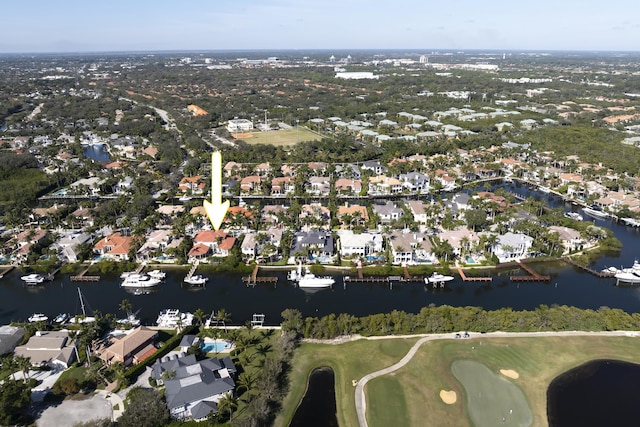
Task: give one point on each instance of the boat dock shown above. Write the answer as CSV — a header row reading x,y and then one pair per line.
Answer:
x,y
6,269
466,278
82,277
601,274
409,278
533,276
254,279
630,222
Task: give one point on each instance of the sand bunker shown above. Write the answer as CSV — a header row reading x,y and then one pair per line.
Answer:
x,y
510,373
448,397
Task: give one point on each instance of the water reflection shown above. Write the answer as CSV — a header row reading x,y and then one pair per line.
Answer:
x,y
318,406
598,393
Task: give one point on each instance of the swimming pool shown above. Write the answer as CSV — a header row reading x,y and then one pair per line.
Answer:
x,y
470,260
217,346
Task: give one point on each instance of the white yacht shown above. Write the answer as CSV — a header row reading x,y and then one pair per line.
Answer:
x,y
61,318
594,212
574,215
131,319
157,274
629,275
437,278
310,280
33,279
170,318
139,281
196,280
37,317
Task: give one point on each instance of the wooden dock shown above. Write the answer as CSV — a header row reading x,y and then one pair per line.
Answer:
x,y
368,279
254,279
533,276
466,278
601,274
82,277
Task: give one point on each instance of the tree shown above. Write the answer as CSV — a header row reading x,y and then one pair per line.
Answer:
x,y
145,408
125,306
227,405
15,396
223,316
199,315
24,363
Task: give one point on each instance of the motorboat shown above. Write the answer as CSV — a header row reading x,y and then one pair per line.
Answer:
x,y
310,280
61,318
295,275
157,274
37,317
132,319
545,190
573,215
438,278
196,280
139,281
33,279
611,270
595,212
172,317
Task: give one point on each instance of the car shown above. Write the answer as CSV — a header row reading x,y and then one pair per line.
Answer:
x,y
458,336
466,335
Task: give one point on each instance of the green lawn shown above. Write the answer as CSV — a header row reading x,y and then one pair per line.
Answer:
x,y
410,396
282,137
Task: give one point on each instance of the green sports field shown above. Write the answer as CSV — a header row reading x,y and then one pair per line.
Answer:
x,y
410,396
282,137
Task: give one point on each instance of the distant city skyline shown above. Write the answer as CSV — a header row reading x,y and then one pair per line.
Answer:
x,y
43,26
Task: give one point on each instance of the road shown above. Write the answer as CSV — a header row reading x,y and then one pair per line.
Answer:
x,y
361,403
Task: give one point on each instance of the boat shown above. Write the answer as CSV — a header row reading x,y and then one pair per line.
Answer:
x,y
573,215
131,319
437,278
82,318
61,318
171,317
611,270
139,281
196,280
37,317
157,274
595,212
310,280
630,275
295,274
545,190
33,279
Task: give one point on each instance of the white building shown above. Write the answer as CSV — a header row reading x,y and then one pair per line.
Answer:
x,y
240,125
512,246
356,75
359,244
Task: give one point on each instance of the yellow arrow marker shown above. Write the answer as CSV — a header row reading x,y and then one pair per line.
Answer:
x,y
216,210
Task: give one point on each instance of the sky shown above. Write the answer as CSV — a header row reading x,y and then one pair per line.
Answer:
x,y
30,26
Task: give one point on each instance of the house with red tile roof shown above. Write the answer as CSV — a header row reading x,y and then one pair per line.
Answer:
x,y
130,349
114,246
282,185
191,184
250,184
211,243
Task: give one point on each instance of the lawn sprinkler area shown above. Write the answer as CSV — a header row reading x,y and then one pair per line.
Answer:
x,y
492,399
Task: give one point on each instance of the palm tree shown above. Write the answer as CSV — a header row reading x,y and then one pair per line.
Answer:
x,y
125,306
246,380
223,316
199,315
24,363
227,404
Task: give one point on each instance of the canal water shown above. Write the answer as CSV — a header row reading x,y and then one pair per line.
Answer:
x,y
568,286
598,393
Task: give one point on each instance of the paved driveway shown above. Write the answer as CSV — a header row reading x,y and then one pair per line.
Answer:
x,y
72,411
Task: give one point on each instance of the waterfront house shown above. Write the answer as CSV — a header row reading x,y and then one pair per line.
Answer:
x,y
282,186
155,241
191,185
313,244
570,238
196,386
10,337
460,239
51,348
512,247
359,244
408,247
351,187
114,246
250,184
68,245
318,185
384,185
130,349
211,243
415,182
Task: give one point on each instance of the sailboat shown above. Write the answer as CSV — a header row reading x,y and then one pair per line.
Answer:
x,y
82,318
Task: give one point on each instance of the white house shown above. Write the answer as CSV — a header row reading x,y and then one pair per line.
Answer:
x,y
359,244
512,246
239,125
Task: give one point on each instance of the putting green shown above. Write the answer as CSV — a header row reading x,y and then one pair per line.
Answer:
x,y
492,400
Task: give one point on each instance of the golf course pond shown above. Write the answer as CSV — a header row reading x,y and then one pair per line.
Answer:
x,y
318,406
598,393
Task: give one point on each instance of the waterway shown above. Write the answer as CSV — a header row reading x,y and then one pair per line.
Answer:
x,y
598,393
97,152
568,286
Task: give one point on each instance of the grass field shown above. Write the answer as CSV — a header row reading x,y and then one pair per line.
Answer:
x,y
410,396
282,137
